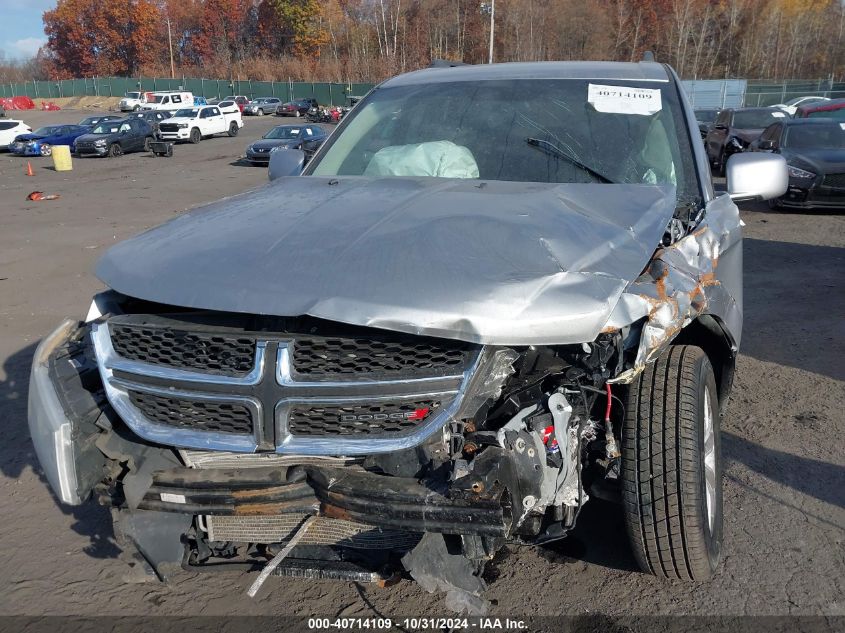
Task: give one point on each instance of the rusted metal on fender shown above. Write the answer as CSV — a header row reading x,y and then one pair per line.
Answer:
x,y
682,282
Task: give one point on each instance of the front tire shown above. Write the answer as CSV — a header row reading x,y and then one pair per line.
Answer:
x,y
671,466
233,129
260,112
46,150
196,136
115,150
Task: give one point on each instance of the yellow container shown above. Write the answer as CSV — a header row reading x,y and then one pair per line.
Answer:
x,y
61,158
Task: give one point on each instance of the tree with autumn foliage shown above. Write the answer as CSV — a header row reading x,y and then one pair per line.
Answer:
x,y
101,37
368,40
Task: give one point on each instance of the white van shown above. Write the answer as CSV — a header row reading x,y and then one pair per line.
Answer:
x,y
168,100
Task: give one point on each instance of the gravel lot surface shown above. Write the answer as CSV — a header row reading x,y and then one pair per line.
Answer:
x,y
784,485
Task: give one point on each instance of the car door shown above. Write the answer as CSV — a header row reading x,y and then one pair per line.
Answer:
x,y
140,129
218,120
207,121
718,134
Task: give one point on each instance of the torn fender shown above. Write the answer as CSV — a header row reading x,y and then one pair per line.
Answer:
x,y
699,274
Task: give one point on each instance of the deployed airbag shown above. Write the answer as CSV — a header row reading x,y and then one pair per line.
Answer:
x,y
443,159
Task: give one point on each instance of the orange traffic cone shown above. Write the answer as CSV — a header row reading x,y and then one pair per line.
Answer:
x,y
29,169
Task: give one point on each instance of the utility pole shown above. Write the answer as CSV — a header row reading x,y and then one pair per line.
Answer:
x,y
491,9
170,46
492,26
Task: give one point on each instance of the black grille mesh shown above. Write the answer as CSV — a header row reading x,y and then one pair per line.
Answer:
x,y
197,415
834,180
344,356
360,419
205,352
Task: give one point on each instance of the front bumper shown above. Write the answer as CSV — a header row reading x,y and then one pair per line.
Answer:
x,y
802,194
258,157
183,134
60,421
92,151
398,503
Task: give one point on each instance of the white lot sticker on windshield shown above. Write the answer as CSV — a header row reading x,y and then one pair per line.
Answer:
x,y
778,115
624,100
842,125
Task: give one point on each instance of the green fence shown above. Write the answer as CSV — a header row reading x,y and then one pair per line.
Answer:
x,y
324,92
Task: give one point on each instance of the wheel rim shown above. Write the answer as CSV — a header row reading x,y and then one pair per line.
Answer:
x,y
709,461
46,150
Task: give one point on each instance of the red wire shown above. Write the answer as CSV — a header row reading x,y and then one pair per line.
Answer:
x,y
609,401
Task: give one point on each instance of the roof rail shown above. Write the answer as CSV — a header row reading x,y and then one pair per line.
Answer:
x,y
446,63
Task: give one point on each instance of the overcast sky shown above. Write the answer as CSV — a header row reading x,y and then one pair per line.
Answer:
x,y
21,28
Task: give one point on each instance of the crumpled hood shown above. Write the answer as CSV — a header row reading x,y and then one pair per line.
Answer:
x,y
490,262
33,137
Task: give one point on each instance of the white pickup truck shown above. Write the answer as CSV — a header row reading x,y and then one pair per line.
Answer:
x,y
193,124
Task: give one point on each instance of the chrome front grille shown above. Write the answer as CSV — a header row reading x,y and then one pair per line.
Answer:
x,y
222,388
366,419
327,357
173,347
193,413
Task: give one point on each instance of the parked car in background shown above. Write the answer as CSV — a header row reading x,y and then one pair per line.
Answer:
x,y
814,150
308,138
793,104
115,138
229,107
153,117
91,121
298,107
193,124
262,106
705,118
170,101
734,129
241,100
832,109
11,128
41,141
200,101
133,101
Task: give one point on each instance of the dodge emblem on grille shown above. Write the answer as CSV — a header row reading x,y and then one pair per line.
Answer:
x,y
416,414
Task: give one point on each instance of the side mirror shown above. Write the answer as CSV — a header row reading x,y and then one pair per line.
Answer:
x,y
755,176
767,144
285,162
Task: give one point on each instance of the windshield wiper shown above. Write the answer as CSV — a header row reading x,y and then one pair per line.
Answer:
x,y
553,149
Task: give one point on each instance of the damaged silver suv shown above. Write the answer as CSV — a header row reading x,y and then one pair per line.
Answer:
x,y
494,293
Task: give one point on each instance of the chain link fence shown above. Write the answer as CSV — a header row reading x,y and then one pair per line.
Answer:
x,y
707,93
326,93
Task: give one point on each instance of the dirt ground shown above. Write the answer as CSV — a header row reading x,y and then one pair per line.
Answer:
x,y
784,484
